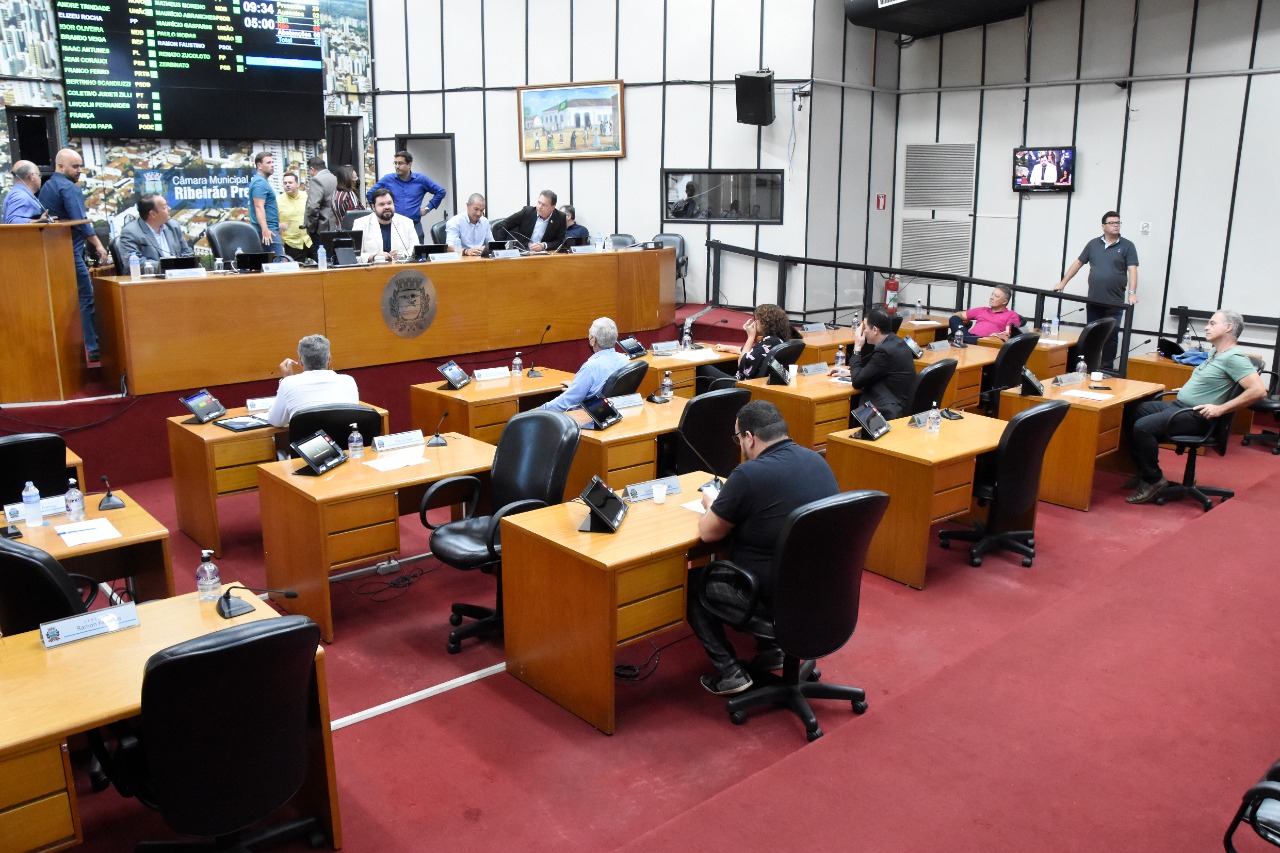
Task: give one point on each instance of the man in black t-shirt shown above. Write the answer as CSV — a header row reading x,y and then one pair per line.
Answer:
x,y
778,477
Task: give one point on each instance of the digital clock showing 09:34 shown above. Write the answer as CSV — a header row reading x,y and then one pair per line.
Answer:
x,y
254,7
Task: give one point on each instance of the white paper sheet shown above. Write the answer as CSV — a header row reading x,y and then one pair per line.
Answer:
x,y
1087,395
695,505
84,532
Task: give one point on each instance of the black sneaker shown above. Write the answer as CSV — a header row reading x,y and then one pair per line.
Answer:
x,y
727,683
768,659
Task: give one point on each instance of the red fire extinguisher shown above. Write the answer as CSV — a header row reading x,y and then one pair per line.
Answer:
x,y
891,296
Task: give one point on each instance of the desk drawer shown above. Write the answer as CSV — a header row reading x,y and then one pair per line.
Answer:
x,y
1108,442
490,414
361,512
832,410
650,614
949,476
632,453
32,774
951,503
650,579
822,430
249,451
620,479
38,825
364,543
488,434
237,479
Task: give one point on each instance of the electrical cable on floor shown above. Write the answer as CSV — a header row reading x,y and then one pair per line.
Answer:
x,y
392,588
62,430
639,672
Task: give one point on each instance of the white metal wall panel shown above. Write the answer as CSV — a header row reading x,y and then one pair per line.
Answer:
x,y
995,234
1107,34
593,187
855,203
466,116
549,42
594,41
1053,40
919,64
1164,33
823,205
884,110
1220,29
788,37
425,113
1099,152
386,28
640,23
1006,52
393,116
737,280
640,173
425,69
962,57
463,45
688,34
504,185
829,30
735,41
505,52
687,128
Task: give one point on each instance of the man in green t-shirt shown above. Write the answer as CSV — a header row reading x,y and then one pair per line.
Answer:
x,y
1207,395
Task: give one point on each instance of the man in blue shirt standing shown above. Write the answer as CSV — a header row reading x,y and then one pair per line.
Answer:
x,y
66,201
265,213
409,188
600,366
21,205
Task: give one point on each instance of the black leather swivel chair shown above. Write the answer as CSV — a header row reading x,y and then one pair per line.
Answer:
x,y
349,218
707,424
931,384
1260,808
621,241
336,419
817,565
40,457
676,241
787,353
625,380
722,382
1189,443
253,682
118,258
1006,371
229,236
440,232
529,471
895,323
1268,405
1008,480
1093,337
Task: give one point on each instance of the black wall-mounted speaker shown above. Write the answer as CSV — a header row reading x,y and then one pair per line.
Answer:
x,y
755,97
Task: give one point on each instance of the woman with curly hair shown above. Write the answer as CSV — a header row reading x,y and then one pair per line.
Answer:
x,y
767,328
345,198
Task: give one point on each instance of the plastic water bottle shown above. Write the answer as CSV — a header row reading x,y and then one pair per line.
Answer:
x,y
517,365
75,501
958,339
933,421
322,258
686,340
1082,366
840,357
355,443
218,265
1186,340
31,505
668,387
135,267
208,581
599,241
919,308
1053,328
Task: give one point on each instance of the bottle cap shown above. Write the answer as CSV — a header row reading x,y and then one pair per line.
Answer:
x,y
206,556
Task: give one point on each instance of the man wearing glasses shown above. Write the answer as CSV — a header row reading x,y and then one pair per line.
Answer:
x,y
777,477
1113,277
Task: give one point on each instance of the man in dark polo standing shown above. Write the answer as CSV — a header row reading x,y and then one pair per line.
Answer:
x,y
65,200
1113,278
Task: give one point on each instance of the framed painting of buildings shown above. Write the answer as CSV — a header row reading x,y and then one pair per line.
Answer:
x,y
571,121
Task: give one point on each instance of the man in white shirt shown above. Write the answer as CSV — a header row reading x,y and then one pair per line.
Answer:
x,y
153,235
309,382
388,236
469,232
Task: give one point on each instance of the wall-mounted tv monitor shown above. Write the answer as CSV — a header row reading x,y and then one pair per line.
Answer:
x,y
198,69
1044,169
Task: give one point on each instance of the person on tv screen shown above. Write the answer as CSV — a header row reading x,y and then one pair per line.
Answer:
x,y
1046,170
993,320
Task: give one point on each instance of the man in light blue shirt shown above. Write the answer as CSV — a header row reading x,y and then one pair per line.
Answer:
x,y
469,232
409,188
21,205
600,366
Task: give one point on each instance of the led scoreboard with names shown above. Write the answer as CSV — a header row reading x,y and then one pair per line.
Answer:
x,y
205,69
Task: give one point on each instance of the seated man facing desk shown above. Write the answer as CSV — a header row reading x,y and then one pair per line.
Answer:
x,y
153,235
886,374
309,382
388,236
539,227
590,378
994,320
1207,395
777,477
469,231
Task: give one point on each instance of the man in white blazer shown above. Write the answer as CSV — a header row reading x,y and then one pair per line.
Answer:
x,y
388,236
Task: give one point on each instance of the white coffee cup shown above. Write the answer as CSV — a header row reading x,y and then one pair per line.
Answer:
x,y
1096,376
792,372
659,493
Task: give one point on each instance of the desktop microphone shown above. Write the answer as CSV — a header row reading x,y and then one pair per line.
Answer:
x,y
533,372
949,414
1071,313
715,478
1135,346
230,607
437,440
835,321
1199,342
109,501
688,321
654,398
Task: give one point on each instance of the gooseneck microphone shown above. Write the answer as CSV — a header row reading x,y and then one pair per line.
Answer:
x,y
230,607
437,440
949,414
715,478
533,372
109,501
1199,342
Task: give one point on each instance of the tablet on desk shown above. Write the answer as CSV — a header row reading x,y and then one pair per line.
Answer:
x,y
320,452
602,412
607,510
203,406
455,376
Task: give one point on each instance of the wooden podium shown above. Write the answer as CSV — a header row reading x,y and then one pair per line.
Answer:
x,y
41,341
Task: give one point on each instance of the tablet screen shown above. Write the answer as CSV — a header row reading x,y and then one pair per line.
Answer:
x,y
456,376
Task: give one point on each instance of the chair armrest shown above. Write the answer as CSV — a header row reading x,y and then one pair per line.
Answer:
x,y
84,582
494,537
1273,773
450,490
725,571
1262,791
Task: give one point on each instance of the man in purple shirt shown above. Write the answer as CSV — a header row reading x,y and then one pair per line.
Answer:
x,y
994,320
409,188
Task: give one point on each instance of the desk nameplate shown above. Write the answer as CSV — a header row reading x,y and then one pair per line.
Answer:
x,y
82,626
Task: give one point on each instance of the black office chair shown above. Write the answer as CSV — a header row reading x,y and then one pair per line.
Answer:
x,y
254,683
336,419
621,241
529,471
786,354
117,257
1269,404
440,232
1009,480
1214,438
1260,808
722,382
1093,337
1006,371
229,236
931,384
676,241
707,424
626,379
817,566
40,457
895,323
349,218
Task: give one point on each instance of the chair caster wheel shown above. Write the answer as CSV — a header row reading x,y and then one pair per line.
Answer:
x,y
945,543
99,781
859,707
316,840
814,734
975,560
1031,543
1159,501
452,648
1026,562
738,717
455,619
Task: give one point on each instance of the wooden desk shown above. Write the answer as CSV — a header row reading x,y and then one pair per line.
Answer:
x,y
626,452
51,695
141,554
925,330
572,599
1049,358
482,408
822,346
346,517
684,368
813,407
929,478
149,332
1153,367
1090,431
966,382
209,461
